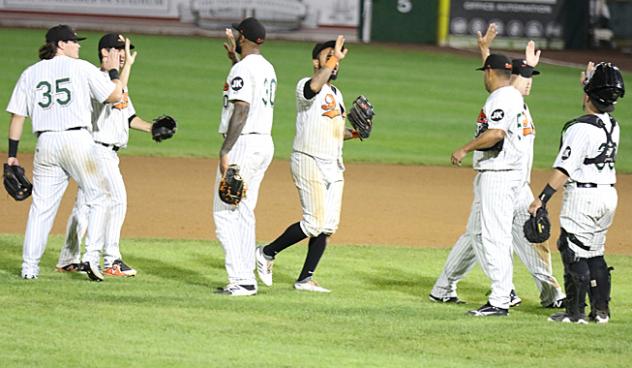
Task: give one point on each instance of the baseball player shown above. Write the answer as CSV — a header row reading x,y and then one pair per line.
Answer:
x,y
246,125
56,94
110,130
536,257
585,167
498,153
316,164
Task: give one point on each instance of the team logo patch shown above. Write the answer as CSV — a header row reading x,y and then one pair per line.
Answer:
x,y
567,153
237,83
497,115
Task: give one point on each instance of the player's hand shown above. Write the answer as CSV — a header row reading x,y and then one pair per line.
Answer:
x,y
530,55
586,75
112,60
533,207
485,42
223,164
457,156
339,53
231,46
13,161
130,57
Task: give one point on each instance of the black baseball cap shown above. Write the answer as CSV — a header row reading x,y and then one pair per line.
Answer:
x,y
321,46
496,61
113,41
62,32
252,30
518,64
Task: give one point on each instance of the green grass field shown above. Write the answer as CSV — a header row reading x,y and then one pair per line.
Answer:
x,y
376,316
426,103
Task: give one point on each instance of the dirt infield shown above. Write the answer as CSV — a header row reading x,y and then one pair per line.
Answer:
x,y
383,204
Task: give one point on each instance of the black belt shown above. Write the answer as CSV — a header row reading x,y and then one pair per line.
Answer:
x,y
113,147
590,185
251,133
65,130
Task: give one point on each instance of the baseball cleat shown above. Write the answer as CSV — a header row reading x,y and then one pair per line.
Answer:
x,y
237,290
567,318
556,304
488,310
310,285
29,277
264,267
119,268
514,299
600,317
446,299
71,267
92,270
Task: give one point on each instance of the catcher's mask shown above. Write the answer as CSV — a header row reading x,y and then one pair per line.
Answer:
x,y
605,86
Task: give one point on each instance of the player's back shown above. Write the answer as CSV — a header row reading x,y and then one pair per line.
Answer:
x,y
58,93
262,77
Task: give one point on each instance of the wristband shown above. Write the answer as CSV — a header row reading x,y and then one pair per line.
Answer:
x,y
114,74
546,194
13,148
526,71
331,63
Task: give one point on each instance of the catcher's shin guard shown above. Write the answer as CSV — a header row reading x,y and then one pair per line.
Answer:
x,y
600,285
576,277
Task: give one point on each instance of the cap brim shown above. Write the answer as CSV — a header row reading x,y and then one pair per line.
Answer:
x,y
481,68
80,38
235,26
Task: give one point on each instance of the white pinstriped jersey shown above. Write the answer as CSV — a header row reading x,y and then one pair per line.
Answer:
x,y
502,110
251,80
56,93
110,122
320,123
584,141
525,123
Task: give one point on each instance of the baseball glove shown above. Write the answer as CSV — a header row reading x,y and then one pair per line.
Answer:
x,y
164,127
231,187
16,183
537,229
361,116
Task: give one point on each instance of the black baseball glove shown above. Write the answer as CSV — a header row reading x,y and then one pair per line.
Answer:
x,y
164,127
537,229
361,116
16,183
231,187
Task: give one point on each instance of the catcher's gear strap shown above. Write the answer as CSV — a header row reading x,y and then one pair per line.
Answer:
x,y
609,152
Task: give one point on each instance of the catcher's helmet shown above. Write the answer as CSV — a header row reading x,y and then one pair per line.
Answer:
x,y
605,86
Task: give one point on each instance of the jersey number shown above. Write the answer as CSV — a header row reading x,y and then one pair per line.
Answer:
x,y
270,91
62,94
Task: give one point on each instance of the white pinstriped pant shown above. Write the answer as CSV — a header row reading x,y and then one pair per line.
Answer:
x,y
536,257
587,213
489,230
108,165
320,185
235,226
58,157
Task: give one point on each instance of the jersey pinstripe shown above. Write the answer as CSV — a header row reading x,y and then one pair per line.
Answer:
x,y
56,93
110,122
581,141
502,110
251,80
320,122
